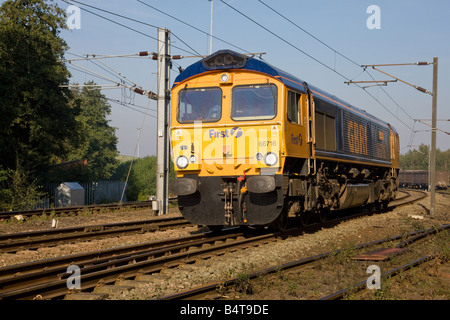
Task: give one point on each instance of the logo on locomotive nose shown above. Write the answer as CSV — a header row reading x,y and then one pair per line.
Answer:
x,y
229,133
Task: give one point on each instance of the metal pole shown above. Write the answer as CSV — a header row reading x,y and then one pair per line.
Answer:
x,y
433,138
162,152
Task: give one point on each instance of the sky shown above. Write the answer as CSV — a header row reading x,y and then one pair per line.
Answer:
x,y
341,36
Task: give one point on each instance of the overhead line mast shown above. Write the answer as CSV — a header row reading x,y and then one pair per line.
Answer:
x,y
162,147
434,128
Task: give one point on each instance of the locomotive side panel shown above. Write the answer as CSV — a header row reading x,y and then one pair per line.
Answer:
x,y
364,138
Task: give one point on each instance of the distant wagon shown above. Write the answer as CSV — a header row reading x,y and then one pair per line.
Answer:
x,y
419,179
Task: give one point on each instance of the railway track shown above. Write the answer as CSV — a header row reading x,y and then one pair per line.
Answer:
x,y
210,291
47,279
12,242
409,196
393,272
88,208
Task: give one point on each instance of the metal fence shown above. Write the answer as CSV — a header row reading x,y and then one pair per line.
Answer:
x,y
94,192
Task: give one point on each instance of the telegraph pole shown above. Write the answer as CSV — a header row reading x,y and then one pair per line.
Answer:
x,y
433,138
162,150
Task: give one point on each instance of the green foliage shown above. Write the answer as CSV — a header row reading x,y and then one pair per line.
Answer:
x,y
142,179
16,191
42,122
36,119
418,159
97,139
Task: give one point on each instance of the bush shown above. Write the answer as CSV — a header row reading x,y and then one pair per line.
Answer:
x,y
142,179
17,192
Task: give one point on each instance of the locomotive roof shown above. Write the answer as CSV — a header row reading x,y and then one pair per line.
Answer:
x,y
238,61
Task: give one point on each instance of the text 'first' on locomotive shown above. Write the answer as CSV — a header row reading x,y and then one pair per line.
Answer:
x,y
252,143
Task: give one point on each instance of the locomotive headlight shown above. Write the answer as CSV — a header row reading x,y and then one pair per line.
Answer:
x,y
182,162
224,77
192,159
270,159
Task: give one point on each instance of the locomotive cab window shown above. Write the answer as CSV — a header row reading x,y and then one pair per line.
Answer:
x,y
256,102
199,105
293,107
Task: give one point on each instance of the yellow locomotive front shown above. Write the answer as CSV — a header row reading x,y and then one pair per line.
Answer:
x,y
227,143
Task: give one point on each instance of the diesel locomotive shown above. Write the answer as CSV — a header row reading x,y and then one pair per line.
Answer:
x,y
252,144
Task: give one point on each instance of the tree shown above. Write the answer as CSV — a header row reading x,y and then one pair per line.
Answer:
x,y
97,140
37,122
419,159
416,159
142,179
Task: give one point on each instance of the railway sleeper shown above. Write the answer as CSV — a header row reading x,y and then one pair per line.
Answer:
x,y
85,296
112,289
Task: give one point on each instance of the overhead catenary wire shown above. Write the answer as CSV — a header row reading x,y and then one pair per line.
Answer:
x,y
93,62
110,20
131,107
119,73
112,13
106,68
315,59
171,16
336,53
138,140
284,40
422,122
192,26
137,89
142,54
309,33
121,24
134,20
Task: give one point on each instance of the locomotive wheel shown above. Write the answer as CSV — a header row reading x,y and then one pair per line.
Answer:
x,y
281,223
381,205
371,207
305,217
322,214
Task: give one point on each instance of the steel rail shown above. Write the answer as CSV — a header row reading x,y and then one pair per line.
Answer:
x,y
203,291
411,239
93,207
51,282
362,285
12,242
28,280
14,272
